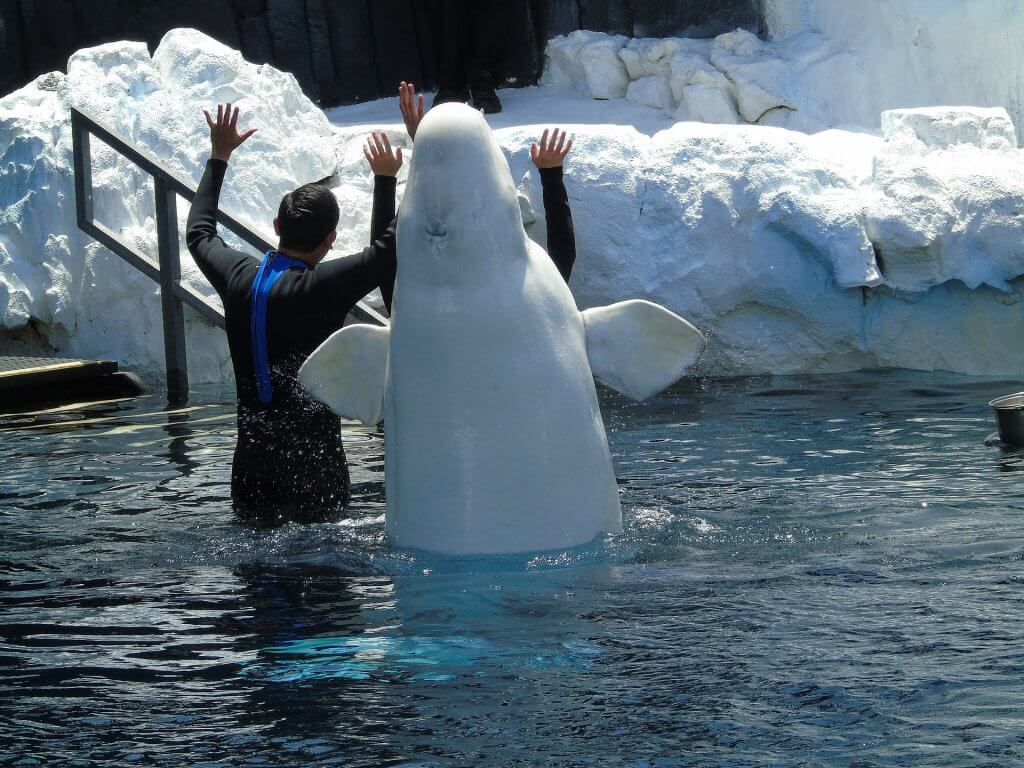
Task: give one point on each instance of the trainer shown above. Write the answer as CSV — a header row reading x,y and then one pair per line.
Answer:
x,y
289,462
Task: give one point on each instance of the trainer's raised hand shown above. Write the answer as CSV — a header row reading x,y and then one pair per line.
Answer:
x,y
554,146
412,107
384,160
224,134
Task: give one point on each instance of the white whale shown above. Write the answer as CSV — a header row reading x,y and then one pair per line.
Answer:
x,y
494,441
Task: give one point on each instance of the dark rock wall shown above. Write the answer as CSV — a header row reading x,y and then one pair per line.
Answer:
x,y
341,51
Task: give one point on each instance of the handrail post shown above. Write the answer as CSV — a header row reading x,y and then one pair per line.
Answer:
x,y
170,277
83,169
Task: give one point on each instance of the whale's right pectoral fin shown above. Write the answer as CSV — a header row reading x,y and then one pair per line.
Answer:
x,y
638,348
347,372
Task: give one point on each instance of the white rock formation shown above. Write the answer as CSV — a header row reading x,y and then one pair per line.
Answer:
x,y
651,91
707,104
61,291
690,68
831,64
944,127
789,83
909,53
589,61
793,251
946,199
800,253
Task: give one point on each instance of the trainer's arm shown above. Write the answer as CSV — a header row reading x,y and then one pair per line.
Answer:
x,y
549,157
382,233
561,235
383,205
385,162
217,262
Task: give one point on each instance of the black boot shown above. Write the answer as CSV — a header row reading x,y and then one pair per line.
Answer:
x,y
487,100
450,94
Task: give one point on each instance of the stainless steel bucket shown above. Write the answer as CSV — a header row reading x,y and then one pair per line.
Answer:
x,y
1010,418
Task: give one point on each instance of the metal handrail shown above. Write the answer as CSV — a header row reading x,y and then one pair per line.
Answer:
x,y
166,271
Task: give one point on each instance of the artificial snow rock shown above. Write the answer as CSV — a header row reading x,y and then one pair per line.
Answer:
x,y
818,245
758,75
81,298
944,127
649,56
946,200
707,104
889,54
651,91
631,58
588,60
689,68
796,253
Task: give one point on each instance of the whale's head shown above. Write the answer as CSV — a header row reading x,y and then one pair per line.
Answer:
x,y
459,217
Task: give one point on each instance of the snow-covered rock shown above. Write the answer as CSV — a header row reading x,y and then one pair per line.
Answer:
x,y
801,253
908,53
590,61
950,206
688,68
632,59
795,252
788,83
944,127
826,63
757,73
707,104
647,56
73,295
651,91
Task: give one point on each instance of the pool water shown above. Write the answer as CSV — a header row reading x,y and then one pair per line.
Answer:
x,y
823,571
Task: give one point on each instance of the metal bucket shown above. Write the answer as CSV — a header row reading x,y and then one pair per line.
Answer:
x,y
1010,418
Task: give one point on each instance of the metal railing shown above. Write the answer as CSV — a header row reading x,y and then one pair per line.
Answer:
x,y
166,271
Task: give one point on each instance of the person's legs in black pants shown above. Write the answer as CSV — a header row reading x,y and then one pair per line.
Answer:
x,y
485,50
448,26
468,41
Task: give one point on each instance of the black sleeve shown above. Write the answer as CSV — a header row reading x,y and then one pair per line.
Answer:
x,y
217,262
341,283
386,263
383,206
561,237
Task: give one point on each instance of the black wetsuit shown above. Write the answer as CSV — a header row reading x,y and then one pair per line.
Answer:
x,y
289,462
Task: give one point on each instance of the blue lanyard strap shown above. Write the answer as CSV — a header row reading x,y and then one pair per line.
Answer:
x,y
274,265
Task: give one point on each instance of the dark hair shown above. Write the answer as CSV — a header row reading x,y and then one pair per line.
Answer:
x,y
306,216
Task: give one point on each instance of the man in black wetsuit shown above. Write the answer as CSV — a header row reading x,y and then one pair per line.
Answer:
x,y
289,462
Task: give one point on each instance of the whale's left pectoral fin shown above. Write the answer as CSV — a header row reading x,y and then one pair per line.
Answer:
x,y
348,372
638,348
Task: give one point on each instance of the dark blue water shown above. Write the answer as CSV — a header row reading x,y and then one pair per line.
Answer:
x,y
814,572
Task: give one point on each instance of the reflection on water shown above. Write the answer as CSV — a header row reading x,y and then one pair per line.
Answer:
x,y
814,571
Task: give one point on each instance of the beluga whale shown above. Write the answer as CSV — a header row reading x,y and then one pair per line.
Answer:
x,y
493,437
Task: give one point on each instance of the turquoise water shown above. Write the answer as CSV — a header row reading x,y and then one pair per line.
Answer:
x,y
817,571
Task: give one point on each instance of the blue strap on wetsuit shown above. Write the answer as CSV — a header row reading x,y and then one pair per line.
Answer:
x,y
273,266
